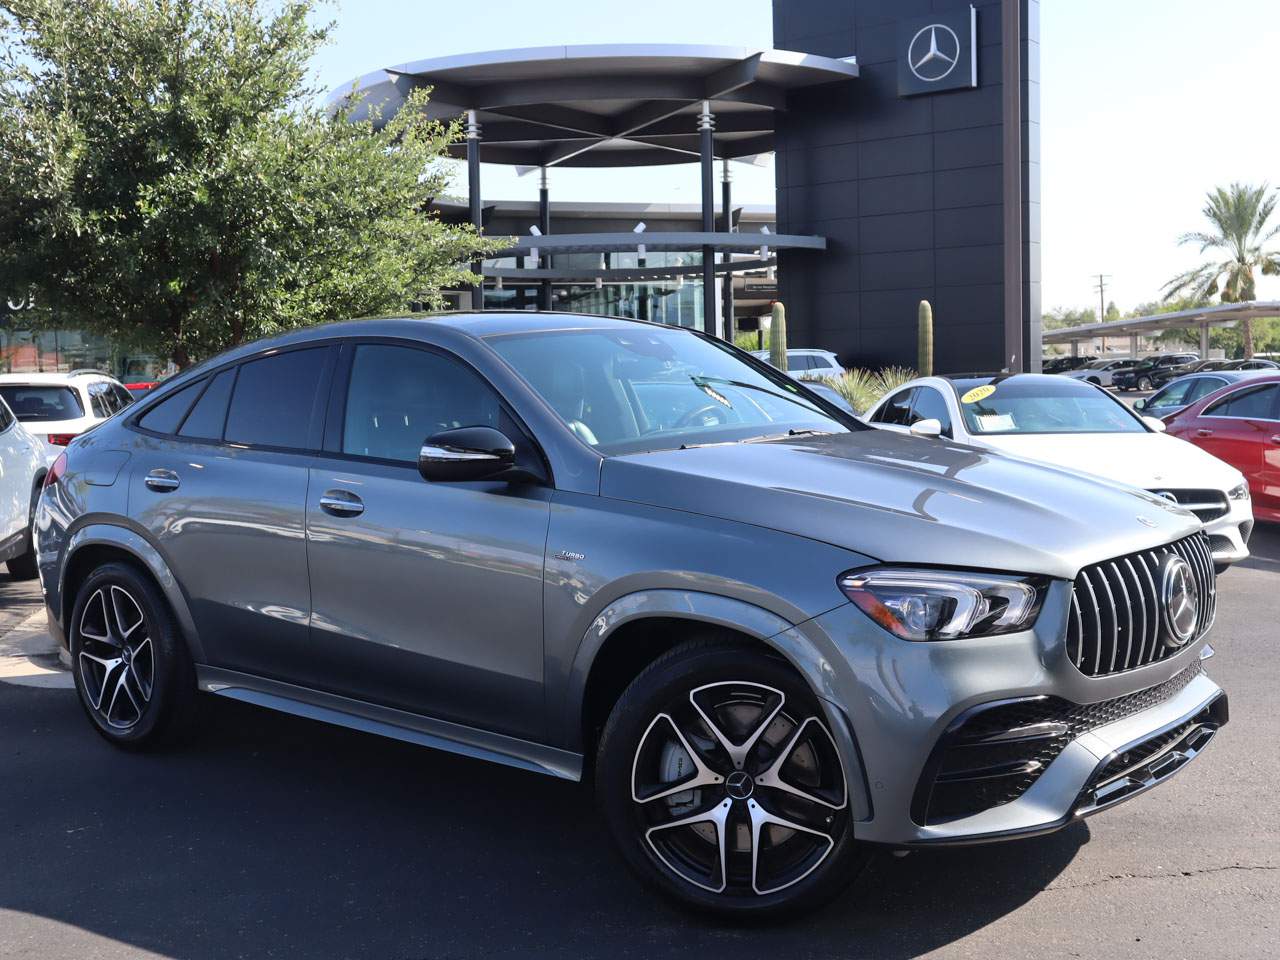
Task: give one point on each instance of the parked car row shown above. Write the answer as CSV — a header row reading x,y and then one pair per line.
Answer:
x,y
772,634
40,414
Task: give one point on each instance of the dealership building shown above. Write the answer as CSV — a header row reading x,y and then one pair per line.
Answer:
x,y
905,135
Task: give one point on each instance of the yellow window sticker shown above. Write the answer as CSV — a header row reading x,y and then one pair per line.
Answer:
x,y
978,393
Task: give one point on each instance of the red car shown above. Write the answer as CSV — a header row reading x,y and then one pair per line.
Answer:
x,y
1240,424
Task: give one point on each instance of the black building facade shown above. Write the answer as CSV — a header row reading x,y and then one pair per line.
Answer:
x,y
926,186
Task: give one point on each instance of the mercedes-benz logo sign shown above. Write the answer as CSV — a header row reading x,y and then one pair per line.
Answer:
x,y
933,52
1179,601
739,785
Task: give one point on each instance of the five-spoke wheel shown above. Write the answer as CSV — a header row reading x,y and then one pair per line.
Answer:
x,y
130,663
735,794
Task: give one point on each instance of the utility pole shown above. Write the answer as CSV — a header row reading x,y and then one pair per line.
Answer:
x,y
1101,287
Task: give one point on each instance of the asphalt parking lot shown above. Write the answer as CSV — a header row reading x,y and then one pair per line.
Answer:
x,y
269,836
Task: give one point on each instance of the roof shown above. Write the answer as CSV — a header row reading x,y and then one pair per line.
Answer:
x,y
55,378
1219,313
602,105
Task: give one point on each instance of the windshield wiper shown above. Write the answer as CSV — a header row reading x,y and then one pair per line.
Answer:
x,y
702,382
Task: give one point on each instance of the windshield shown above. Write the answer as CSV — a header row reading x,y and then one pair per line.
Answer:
x,y
33,403
650,388
1041,405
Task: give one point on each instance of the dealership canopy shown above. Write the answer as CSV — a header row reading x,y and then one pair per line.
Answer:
x,y
1198,317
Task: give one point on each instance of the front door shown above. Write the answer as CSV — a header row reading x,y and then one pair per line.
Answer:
x,y
426,597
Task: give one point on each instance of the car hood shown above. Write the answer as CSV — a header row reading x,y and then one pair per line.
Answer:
x,y
1153,461
903,499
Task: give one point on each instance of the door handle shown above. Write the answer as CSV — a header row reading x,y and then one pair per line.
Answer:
x,y
1202,432
1276,438
162,481
340,503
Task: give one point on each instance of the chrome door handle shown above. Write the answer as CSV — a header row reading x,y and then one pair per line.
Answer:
x,y
1276,438
162,481
340,503
1202,432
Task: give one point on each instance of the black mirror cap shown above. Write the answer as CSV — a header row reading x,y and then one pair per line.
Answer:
x,y
466,453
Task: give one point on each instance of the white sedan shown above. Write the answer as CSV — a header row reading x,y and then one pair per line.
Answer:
x,y
1079,427
22,470
1100,371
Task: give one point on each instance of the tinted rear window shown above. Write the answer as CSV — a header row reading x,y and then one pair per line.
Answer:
x,y
207,417
33,403
274,398
165,416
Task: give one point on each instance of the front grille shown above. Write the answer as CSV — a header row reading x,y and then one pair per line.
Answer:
x,y
1206,504
992,754
1116,616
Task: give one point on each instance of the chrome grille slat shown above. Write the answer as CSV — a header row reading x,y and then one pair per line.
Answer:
x,y
1114,624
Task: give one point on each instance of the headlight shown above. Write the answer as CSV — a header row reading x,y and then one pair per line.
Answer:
x,y
944,604
1239,493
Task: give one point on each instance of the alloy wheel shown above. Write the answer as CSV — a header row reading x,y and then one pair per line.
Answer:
x,y
116,657
737,791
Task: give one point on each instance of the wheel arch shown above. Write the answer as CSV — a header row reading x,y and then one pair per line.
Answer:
x,y
98,543
634,630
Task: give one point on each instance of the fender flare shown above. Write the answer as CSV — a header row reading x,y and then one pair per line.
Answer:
x,y
122,538
788,640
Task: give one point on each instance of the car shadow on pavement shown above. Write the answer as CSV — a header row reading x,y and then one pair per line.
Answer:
x,y
272,835
1264,548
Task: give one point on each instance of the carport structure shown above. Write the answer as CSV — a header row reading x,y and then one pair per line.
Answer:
x,y
619,105
1201,318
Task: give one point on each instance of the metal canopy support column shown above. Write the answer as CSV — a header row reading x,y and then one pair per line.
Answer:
x,y
726,291
706,128
1075,348
1204,341
544,224
1133,345
473,198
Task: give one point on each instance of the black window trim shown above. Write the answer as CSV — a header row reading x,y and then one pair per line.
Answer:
x,y
1246,387
339,386
316,431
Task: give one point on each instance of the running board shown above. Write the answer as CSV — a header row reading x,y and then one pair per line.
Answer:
x,y
389,722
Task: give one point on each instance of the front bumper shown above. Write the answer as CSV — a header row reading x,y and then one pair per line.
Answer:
x,y
902,698
1229,534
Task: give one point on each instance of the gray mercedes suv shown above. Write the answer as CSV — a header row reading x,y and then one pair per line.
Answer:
x,y
772,636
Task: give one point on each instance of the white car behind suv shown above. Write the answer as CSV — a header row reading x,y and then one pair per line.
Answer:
x,y
58,407
807,364
1081,428
22,469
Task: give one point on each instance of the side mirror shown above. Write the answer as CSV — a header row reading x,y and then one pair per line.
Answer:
x,y
467,453
1155,423
1140,404
927,428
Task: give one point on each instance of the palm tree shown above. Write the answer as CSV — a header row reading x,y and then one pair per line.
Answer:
x,y
1238,216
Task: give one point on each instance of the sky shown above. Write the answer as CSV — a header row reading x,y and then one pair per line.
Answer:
x,y
1145,106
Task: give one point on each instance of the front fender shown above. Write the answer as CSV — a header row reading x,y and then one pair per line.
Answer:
x,y
797,645
122,538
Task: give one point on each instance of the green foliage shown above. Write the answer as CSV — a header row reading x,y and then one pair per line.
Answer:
x,y
1061,317
924,338
747,340
168,180
1238,228
778,337
862,388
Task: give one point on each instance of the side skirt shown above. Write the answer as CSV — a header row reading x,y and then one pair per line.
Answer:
x,y
388,722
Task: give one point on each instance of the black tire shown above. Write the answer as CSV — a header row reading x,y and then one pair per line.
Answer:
x,y
1144,383
160,688
731,681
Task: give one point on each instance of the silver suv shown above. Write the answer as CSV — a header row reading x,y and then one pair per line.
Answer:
x,y
773,636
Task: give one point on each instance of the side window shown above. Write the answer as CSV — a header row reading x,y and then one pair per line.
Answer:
x,y
275,398
1257,404
209,415
1203,387
6,418
1173,395
799,362
165,416
123,396
399,396
897,410
929,405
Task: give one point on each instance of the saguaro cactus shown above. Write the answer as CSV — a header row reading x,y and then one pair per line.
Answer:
x,y
778,337
924,340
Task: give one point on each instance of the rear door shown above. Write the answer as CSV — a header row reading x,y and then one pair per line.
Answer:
x,y
427,596
1242,429
220,482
